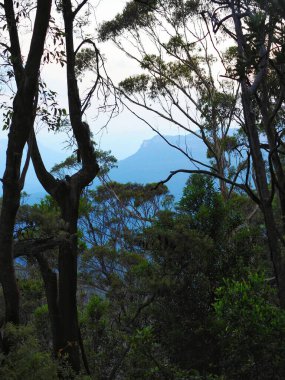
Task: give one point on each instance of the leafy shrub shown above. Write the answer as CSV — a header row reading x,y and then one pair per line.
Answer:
x,y
252,330
25,361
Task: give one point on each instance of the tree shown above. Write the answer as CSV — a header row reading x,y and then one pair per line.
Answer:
x,y
26,74
152,313
110,218
249,323
178,82
159,286
181,81
257,29
27,108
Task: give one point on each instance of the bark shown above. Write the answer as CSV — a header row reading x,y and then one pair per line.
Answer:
x,y
1,343
63,300
221,165
67,194
248,92
265,197
279,176
32,246
62,297
22,121
50,283
67,285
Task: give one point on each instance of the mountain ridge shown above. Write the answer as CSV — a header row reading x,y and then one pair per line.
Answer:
x,y
152,162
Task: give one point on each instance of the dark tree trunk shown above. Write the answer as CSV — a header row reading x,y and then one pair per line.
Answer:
x,y
22,121
19,131
67,270
63,299
7,272
277,167
264,194
67,194
51,290
248,92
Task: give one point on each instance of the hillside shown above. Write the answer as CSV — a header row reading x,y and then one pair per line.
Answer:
x,y
151,163
155,159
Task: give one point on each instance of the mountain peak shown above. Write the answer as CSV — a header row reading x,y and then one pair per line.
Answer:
x,y
155,159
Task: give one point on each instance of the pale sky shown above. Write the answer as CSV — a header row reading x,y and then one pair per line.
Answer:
x,y
125,133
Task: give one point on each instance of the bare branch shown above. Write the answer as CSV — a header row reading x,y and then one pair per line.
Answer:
x,y
80,6
211,174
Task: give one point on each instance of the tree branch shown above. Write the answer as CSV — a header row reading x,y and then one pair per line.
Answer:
x,y
80,6
47,180
215,175
15,49
32,247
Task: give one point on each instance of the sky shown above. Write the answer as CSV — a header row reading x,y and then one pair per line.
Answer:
x,y
124,133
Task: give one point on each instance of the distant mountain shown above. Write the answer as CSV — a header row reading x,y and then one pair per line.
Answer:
x,y
155,159
151,163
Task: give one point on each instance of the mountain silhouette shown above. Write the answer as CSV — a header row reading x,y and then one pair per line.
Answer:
x,y
153,162
155,159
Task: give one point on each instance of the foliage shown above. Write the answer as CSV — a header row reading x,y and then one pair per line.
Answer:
x,y
166,291
72,163
203,204
135,13
33,291
85,60
153,300
154,316
25,360
42,327
251,329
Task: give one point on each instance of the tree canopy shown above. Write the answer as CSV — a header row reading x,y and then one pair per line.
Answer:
x,y
113,280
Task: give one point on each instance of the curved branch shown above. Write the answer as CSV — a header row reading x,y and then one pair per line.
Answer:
x,y
80,6
80,129
86,41
215,175
46,179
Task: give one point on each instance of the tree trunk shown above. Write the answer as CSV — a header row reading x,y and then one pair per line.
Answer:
x,y
248,92
51,290
273,147
61,292
7,272
18,136
67,285
22,122
67,194
264,194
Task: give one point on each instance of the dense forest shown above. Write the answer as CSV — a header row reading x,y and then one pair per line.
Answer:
x,y
123,281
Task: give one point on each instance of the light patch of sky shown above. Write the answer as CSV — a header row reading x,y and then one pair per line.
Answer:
x,y
124,133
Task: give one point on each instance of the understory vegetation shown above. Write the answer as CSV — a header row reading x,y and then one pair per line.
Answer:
x,y
166,290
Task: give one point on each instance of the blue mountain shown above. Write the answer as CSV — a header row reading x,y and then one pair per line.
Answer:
x,y
155,159
153,162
